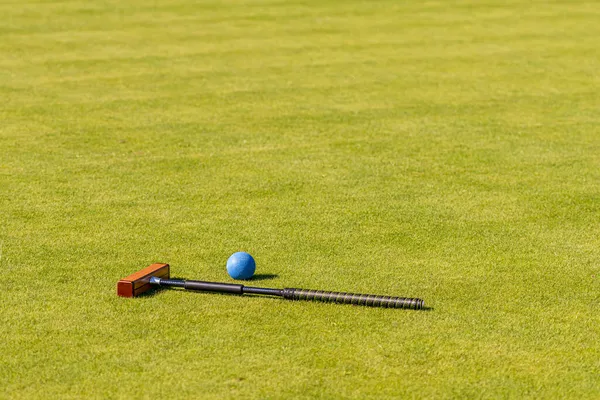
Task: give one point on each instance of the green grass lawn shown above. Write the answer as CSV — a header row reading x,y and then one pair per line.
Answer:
x,y
448,150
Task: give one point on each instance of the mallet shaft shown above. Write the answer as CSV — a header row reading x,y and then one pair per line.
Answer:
x,y
370,300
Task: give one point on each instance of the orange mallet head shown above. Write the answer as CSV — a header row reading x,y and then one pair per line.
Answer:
x,y
139,282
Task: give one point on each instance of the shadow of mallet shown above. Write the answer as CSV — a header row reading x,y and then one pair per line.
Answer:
x,y
158,275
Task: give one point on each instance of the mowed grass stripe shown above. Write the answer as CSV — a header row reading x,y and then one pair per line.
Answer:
x,y
213,12
252,38
407,56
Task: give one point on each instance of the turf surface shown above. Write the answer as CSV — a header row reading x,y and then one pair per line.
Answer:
x,y
446,150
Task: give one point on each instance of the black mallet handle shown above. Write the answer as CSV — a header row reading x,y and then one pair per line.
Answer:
x,y
370,300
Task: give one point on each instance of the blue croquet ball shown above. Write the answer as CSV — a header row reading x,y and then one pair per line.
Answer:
x,y
241,265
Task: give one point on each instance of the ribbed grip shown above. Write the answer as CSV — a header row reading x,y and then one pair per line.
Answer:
x,y
370,300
